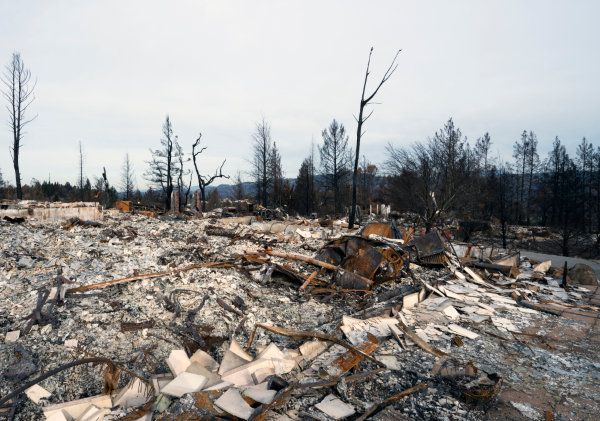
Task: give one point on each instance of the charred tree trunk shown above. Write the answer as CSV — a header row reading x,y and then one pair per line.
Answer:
x,y
360,121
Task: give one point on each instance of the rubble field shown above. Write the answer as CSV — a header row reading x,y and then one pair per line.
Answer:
x,y
177,318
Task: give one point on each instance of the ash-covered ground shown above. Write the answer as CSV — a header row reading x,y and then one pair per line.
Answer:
x,y
133,325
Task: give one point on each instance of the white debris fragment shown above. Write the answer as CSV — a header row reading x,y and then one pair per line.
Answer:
x,y
335,407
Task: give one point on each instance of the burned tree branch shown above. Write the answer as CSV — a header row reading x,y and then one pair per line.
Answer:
x,y
203,181
363,103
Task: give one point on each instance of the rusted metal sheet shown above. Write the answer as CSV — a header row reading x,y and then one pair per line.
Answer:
x,y
364,263
456,340
349,359
361,259
124,206
349,280
379,228
307,259
431,247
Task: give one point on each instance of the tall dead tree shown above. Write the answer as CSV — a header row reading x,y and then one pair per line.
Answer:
x,y
127,177
183,194
262,149
335,161
361,120
203,181
238,191
106,186
19,94
164,165
81,175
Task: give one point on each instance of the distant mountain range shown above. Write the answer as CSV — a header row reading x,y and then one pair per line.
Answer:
x,y
225,190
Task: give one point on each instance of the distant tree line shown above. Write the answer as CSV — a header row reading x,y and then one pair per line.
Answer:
x,y
444,176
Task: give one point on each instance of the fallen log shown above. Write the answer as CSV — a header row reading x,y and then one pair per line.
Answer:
x,y
301,257
391,399
147,276
424,345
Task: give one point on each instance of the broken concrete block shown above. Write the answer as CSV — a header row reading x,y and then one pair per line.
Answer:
x,y
220,386
205,359
132,395
87,412
543,267
71,343
237,350
12,336
462,331
99,415
184,383
178,361
37,392
260,395
73,409
58,416
261,374
304,234
93,413
313,348
272,351
251,367
335,407
197,368
239,378
409,301
390,362
450,312
230,362
233,403
161,380
283,366
293,353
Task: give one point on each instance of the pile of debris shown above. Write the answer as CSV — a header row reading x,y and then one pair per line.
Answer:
x,y
204,319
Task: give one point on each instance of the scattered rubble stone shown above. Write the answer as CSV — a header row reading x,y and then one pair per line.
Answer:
x,y
185,324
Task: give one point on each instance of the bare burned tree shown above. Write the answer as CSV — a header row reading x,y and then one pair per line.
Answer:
x,y
182,173
19,95
203,181
106,186
163,165
81,175
262,148
238,192
335,161
360,120
127,177
438,174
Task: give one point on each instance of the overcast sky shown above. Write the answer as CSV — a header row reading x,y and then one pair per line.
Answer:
x,y
108,72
